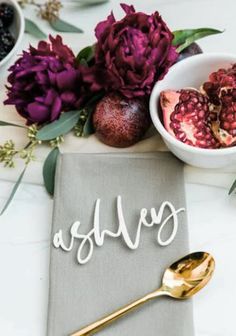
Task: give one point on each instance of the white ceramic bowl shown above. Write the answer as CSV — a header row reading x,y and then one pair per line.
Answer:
x,y
192,72
17,29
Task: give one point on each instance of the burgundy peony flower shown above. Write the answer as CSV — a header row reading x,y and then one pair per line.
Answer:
x,y
44,82
131,54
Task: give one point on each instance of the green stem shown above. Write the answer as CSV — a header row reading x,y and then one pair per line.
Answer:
x,y
14,190
28,145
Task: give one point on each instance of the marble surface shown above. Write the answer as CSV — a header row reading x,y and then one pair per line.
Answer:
x,y
25,228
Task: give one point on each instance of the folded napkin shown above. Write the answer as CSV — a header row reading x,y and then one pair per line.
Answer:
x,y
116,275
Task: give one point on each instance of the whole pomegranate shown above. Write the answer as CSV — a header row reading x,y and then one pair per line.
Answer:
x,y
193,49
221,90
120,121
186,115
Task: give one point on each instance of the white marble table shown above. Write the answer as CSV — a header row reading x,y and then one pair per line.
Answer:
x,y
25,228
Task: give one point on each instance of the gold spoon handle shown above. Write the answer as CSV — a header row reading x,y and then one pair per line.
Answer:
x,y
94,327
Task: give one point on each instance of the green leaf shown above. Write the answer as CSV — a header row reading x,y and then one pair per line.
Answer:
x,y
88,126
96,98
14,190
183,38
180,36
33,29
63,125
64,27
4,123
233,187
82,62
86,55
92,2
49,170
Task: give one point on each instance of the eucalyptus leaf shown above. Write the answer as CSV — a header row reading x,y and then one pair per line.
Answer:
x,y
33,29
49,170
183,38
233,188
92,2
62,126
88,128
86,55
64,27
4,123
14,190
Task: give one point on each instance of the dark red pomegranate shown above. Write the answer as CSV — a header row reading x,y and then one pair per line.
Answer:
x,y
186,115
191,50
119,121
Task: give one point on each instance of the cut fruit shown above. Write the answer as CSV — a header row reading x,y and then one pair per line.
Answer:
x,y
186,115
226,130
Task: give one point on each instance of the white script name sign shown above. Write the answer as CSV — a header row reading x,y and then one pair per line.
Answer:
x,y
96,237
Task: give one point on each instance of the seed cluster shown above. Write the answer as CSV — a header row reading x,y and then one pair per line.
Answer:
x,y
50,10
190,120
228,111
221,90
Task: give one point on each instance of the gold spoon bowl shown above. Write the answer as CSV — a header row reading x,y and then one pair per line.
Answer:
x,y
181,280
188,275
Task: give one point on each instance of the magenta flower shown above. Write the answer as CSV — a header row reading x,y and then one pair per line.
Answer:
x,y
44,82
131,54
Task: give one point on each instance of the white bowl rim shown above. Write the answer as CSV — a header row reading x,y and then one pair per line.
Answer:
x,y
155,116
21,32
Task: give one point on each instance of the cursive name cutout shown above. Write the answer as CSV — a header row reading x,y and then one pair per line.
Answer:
x,y
96,237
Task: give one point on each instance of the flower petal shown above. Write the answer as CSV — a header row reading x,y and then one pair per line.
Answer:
x,y
56,109
127,9
102,26
62,50
38,112
66,79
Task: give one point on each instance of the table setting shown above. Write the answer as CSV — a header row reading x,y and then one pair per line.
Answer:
x,y
117,167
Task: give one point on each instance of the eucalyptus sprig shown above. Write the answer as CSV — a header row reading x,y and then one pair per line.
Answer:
x,y
9,153
232,188
51,134
50,11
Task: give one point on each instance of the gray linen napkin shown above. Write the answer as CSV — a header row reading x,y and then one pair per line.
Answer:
x,y
116,275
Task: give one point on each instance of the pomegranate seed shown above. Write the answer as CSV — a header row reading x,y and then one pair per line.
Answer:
x,y
201,114
230,117
226,125
233,125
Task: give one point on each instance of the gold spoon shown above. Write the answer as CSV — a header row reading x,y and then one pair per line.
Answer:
x,y
181,280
